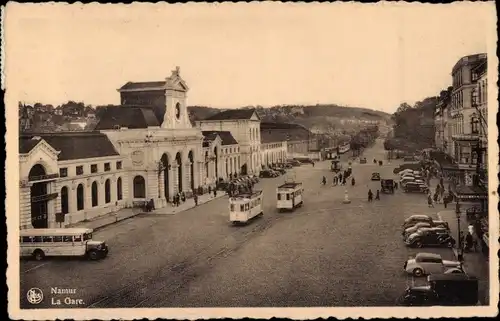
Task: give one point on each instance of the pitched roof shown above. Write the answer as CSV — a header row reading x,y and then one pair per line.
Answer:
x,y
26,145
143,85
233,114
278,132
225,136
72,145
127,116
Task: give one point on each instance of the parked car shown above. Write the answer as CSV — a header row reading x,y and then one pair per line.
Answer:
x,y
415,187
266,174
454,289
438,230
412,229
288,165
294,162
430,238
304,160
430,263
387,186
279,170
375,176
414,219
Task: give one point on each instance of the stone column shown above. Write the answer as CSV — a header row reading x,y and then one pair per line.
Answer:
x,y
171,184
25,208
101,191
72,199
187,176
175,176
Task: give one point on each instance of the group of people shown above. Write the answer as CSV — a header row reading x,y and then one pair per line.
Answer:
x,y
341,178
235,189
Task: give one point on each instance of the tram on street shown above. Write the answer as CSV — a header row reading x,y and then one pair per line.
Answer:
x,y
245,206
289,196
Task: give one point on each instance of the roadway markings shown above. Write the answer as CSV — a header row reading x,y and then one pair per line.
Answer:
x,y
35,267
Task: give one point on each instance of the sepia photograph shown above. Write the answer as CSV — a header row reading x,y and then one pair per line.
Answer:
x,y
259,160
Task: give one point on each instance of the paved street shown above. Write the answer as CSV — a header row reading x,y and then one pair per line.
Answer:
x,y
324,254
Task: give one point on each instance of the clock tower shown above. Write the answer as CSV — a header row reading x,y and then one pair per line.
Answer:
x,y
176,114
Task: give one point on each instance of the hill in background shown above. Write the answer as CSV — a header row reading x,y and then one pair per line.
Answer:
x,y
318,118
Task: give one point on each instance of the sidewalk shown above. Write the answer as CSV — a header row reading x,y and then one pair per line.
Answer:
x,y
475,263
126,213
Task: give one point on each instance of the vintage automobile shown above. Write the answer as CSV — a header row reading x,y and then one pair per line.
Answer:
x,y
414,219
430,238
412,229
438,230
294,162
362,160
387,186
375,176
279,169
336,166
430,263
267,174
453,289
415,187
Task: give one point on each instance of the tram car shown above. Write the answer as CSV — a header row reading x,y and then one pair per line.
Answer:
x,y
289,196
245,206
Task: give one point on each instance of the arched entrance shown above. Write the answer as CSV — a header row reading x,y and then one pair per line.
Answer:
x,y
216,154
165,165
139,187
244,169
206,164
191,169
178,160
39,208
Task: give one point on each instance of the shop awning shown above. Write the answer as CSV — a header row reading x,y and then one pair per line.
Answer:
x,y
471,192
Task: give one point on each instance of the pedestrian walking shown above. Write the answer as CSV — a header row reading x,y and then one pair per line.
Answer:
x,y
215,192
313,164
429,200
183,197
377,196
195,198
370,195
323,181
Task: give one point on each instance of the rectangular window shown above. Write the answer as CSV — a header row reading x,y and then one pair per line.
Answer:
x,y
232,207
279,196
26,239
107,167
36,239
68,238
63,172
93,168
78,238
47,239
79,170
57,239
119,165
287,197
242,208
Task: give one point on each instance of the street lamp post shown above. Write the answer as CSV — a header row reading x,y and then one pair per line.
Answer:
x,y
460,247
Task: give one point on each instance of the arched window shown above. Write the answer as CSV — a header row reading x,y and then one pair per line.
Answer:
x,y
95,194
119,192
80,198
64,200
139,187
107,191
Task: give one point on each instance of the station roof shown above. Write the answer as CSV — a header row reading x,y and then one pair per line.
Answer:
x,y
225,136
132,117
71,145
234,114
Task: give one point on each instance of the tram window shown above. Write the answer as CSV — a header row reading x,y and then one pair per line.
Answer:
x,y
67,238
232,207
247,207
242,208
78,238
287,197
26,239
279,196
57,239
47,239
37,239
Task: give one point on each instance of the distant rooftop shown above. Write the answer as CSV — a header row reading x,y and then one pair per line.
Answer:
x,y
132,117
233,114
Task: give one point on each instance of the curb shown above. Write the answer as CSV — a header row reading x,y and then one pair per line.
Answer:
x,y
139,213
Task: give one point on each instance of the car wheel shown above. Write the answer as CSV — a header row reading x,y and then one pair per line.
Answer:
x,y
93,255
418,272
449,244
39,255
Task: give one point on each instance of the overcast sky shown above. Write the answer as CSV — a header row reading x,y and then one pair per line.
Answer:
x,y
233,55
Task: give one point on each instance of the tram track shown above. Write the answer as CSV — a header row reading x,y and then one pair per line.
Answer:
x,y
145,291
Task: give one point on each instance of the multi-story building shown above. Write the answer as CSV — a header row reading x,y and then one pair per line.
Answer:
x,y
300,142
227,164
273,148
244,126
464,117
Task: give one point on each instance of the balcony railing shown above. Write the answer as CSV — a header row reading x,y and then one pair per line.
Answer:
x,y
43,198
43,177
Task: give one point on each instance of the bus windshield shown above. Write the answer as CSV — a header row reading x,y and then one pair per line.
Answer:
x,y
87,236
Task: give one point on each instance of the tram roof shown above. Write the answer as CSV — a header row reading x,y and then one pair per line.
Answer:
x,y
54,231
243,196
290,185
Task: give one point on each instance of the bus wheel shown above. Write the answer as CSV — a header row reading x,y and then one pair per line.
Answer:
x,y
38,255
93,255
